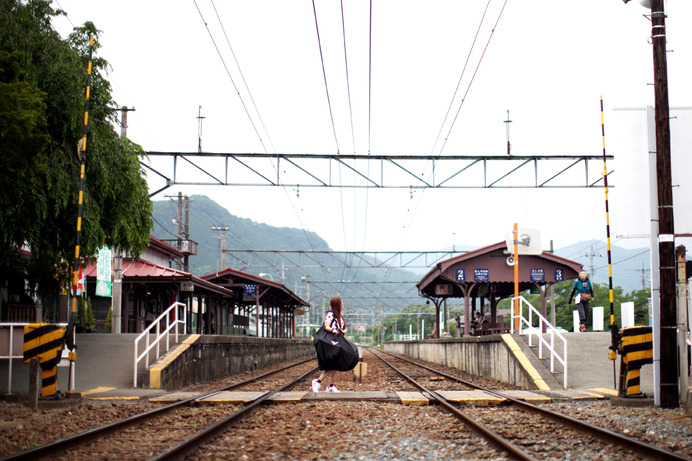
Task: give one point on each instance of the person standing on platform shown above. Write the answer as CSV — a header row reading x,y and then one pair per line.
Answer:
x,y
334,323
584,290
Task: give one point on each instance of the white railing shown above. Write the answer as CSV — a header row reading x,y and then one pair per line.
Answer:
x,y
171,319
407,337
526,328
12,353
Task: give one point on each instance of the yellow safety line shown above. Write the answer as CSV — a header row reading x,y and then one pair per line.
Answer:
x,y
97,390
155,371
524,361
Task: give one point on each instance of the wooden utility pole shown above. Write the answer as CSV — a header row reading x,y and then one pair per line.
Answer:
x,y
670,397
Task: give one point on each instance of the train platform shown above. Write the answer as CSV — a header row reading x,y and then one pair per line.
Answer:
x,y
104,371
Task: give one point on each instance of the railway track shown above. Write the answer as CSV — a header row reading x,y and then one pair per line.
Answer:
x,y
354,429
506,426
164,433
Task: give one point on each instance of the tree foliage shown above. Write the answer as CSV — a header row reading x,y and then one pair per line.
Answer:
x,y
42,111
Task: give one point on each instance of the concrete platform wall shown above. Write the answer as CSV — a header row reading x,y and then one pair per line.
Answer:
x,y
487,356
208,357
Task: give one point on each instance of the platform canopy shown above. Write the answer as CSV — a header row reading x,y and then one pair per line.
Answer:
x,y
251,288
488,273
272,304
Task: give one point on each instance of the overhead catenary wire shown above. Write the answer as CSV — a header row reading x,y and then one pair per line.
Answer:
x,y
473,77
324,75
228,72
242,76
247,112
463,72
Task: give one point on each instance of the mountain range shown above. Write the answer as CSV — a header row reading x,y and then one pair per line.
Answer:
x,y
333,273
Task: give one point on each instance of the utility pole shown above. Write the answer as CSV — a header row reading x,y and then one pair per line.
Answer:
x,y
670,396
186,232
123,120
199,130
223,244
117,295
643,271
590,255
507,122
680,253
179,223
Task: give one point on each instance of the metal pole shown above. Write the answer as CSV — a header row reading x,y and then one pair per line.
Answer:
x,y
682,322
612,355
516,277
80,201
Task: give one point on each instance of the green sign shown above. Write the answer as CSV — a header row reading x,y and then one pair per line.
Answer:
x,y
103,273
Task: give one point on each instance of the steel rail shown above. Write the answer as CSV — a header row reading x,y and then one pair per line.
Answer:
x,y
643,448
191,444
479,428
108,429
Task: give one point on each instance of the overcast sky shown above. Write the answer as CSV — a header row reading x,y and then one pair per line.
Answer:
x,y
547,62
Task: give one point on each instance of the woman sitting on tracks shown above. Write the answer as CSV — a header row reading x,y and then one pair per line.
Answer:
x,y
333,323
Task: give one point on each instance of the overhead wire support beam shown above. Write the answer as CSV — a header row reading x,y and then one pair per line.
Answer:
x,y
395,171
340,259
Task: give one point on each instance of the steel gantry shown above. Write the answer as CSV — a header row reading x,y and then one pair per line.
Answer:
x,y
377,171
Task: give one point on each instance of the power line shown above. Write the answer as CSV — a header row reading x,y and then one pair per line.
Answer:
x,y
324,74
473,77
348,82
463,71
228,72
242,76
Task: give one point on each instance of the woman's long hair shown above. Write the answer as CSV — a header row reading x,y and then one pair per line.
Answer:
x,y
335,304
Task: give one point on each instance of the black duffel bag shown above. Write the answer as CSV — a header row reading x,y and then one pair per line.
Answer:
x,y
334,352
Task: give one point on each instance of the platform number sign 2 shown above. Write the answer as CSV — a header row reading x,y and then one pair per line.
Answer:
x,y
559,275
461,275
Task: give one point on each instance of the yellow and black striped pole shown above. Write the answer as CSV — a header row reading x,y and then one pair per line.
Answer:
x,y
46,342
613,328
80,202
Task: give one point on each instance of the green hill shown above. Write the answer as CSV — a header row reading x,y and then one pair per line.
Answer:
x,y
327,273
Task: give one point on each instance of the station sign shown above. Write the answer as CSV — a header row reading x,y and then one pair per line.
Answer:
x,y
443,289
481,275
537,275
187,286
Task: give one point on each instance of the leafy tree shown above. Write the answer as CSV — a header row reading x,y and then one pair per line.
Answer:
x,y
42,101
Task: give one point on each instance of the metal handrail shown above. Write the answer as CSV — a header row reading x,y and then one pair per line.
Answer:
x,y
156,324
12,355
550,329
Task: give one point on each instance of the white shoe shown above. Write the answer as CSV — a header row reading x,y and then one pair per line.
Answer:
x,y
316,385
332,388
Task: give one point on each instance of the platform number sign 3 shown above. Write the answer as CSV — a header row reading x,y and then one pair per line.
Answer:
x,y
559,275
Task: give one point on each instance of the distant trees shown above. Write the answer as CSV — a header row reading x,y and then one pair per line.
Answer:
x,y
42,97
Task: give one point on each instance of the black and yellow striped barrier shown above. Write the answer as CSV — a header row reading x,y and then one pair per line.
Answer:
x,y
636,349
45,341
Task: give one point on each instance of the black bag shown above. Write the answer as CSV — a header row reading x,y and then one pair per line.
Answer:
x,y
334,352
